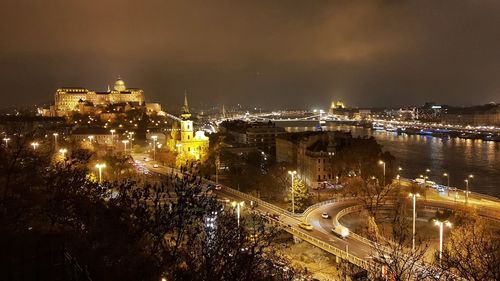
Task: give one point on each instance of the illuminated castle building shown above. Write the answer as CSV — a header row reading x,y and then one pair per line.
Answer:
x,y
74,99
189,145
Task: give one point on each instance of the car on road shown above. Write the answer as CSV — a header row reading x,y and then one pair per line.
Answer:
x,y
306,226
155,166
218,187
325,215
341,231
275,217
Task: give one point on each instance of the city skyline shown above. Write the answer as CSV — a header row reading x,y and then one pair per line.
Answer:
x,y
377,53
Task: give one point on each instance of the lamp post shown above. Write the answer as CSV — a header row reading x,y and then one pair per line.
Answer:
x,y
35,145
467,188
112,131
399,175
217,164
380,162
100,166
55,140
131,138
447,176
154,147
63,152
414,197
6,140
238,205
427,171
125,144
293,173
441,224
448,180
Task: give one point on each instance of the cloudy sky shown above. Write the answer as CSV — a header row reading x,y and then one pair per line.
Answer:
x,y
285,54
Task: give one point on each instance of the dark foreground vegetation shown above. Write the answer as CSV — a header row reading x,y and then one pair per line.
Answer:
x,y
58,223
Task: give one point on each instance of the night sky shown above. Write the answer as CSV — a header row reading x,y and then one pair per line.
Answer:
x,y
285,54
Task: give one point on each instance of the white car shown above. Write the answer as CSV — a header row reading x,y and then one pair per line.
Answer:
x,y
325,215
218,187
155,166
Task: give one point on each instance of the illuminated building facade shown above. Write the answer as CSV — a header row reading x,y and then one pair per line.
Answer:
x,y
190,145
68,100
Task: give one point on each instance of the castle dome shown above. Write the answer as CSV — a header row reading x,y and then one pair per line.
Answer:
x,y
119,85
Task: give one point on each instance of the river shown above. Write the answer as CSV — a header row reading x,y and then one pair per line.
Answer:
x,y
414,153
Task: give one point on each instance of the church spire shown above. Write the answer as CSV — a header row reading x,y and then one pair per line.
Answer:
x,y
185,108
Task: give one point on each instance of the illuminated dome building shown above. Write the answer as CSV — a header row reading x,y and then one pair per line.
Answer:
x,y
68,99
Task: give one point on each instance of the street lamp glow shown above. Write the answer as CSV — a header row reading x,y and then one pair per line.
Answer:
x,y
55,140
63,152
467,188
293,173
441,224
35,145
100,166
6,140
112,131
125,144
380,162
154,147
91,138
414,197
238,205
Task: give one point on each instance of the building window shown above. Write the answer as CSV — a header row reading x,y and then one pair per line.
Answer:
x,y
319,160
319,177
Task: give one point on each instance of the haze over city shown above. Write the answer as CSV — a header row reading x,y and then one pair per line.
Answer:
x,y
271,140
295,54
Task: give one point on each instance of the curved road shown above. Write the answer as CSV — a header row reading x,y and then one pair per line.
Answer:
x,y
355,250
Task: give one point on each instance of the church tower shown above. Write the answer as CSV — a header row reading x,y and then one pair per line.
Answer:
x,y
186,123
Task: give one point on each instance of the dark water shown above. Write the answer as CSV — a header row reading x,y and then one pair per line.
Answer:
x,y
415,154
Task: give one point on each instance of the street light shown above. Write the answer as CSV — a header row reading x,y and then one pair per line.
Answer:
x,y
238,205
154,147
293,173
441,224
380,162
63,151
125,143
414,196
55,139
427,171
447,177
100,166
398,177
112,131
35,145
6,142
467,188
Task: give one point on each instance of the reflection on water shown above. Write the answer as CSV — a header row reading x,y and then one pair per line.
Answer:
x,y
457,157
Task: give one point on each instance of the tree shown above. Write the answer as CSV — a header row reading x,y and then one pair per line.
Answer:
x,y
300,195
126,231
166,156
472,251
370,192
360,157
395,252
